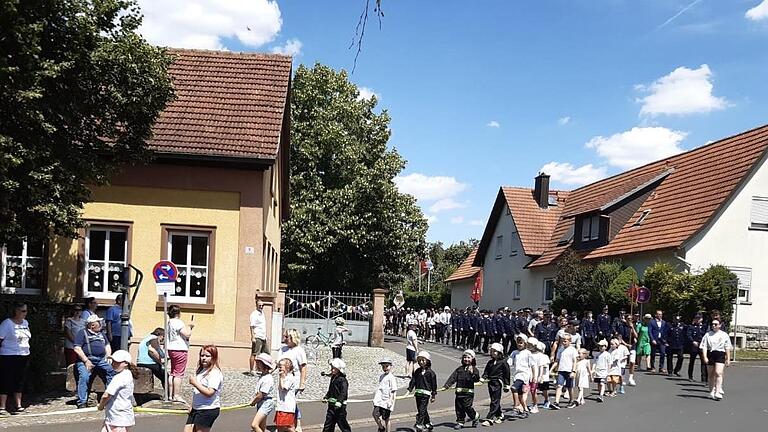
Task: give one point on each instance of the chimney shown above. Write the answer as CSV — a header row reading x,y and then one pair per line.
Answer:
x,y
541,190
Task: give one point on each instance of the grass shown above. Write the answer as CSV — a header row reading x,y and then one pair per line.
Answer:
x,y
751,355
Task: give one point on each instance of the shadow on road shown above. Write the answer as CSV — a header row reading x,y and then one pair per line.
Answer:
x,y
689,396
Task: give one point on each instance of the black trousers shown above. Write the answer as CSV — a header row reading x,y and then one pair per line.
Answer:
x,y
464,409
454,335
693,356
422,415
486,341
661,350
671,352
336,416
494,391
439,329
336,352
589,344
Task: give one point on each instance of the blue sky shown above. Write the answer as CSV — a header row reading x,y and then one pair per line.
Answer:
x,y
488,93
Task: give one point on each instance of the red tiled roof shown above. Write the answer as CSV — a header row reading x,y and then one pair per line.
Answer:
x,y
466,270
534,224
698,183
227,104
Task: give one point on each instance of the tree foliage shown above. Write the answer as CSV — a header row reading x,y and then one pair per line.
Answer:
x,y
582,286
79,92
445,262
573,281
350,228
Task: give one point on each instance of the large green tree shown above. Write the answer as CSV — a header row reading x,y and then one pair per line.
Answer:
x,y
79,92
350,228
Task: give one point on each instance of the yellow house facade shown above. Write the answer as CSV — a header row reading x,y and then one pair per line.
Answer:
x,y
212,202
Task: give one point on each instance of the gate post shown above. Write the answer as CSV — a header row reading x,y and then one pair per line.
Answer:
x,y
279,304
376,338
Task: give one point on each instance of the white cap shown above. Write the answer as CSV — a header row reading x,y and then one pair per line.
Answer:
x,y
541,346
533,341
603,342
92,318
447,308
385,360
267,360
469,352
121,356
522,336
425,355
338,363
497,347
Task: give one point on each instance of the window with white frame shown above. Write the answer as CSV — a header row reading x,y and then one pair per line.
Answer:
x,y
499,246
190,251
758,216
549,290
590,228
106,255
516,290
744,284
22,267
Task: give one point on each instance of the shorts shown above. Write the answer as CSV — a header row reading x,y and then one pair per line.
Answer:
x,y
266,406
644,350
178,363
109,428
204,418
410,355
715,357
12,373
520,387
564,379
533,386
259,346
284,419
599,380
632,356
382,413
614,379
544,385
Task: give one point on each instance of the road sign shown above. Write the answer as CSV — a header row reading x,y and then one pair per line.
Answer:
x,y
165,288
165,271
643,294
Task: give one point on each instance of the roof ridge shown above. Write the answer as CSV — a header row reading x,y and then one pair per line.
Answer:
x,y
531,189
229,53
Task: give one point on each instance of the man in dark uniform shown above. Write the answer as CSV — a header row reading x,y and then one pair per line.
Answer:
x,y
676,339
694,333
456,333
617,322
604,325
546,332
509,331
498,326
522,322
487,331
474,330
589,332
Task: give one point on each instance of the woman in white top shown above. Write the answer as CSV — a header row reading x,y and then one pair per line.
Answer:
x,y
178,335
117,399
14,353
716,354
207,383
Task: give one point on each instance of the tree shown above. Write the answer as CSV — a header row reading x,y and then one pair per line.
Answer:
x,y
573,280
79,92
350,228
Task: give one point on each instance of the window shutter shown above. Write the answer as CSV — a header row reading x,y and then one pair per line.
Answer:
x,y
759,214
744,274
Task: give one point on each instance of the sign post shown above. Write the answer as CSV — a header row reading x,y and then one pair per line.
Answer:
x,y
165,274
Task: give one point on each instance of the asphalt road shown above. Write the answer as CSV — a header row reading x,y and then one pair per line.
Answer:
x,y
658,402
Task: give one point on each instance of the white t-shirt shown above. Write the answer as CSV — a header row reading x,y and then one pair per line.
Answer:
x,y
119,409
212,379
567,359
286,394
716,341
582,373
617,357
623,355
602,364
412,338
74,326
296,355
383,396
258,324
15,338
543,362
265,384
520,363
176,341
338,339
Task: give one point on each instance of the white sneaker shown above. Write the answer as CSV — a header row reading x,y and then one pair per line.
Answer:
x,y
632,381
719,394
535,410
712,395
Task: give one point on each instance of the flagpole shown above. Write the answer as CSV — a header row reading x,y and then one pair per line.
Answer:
x,y
429,279
418,271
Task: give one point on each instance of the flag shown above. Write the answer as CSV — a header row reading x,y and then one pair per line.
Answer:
x,y
429,264
477,289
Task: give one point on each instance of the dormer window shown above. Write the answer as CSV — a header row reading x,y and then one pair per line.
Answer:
x,y
590,228
593,230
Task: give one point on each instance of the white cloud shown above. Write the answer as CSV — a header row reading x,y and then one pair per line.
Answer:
x,y
476,222
562,121
493,124
446,204
367,93
637,146
759,12
292,48
205,23
566,173
683,91
431,219
429,188
457,220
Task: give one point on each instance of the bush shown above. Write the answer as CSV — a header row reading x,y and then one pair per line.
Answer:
x,y
423,300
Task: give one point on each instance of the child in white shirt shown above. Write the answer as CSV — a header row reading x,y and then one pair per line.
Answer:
x,y
384,399
520,365
614,372
117,399
583,374
285,410
263,397
566,372
602,364
543,362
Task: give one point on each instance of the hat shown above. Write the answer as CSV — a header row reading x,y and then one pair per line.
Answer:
x,y
522,336
648,316
425,355
541,346
385,360
121,356
339,321
338,363
468,352
603,342
267,360
497,347
92,319
447,308
533,341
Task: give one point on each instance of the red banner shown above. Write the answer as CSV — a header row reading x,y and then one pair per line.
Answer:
x,y
477,289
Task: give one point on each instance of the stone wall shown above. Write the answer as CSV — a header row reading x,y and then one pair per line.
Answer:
x,y
757,336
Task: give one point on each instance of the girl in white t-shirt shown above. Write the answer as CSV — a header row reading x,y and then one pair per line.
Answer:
x,y
602,364
542,363
285,409
583,375
117,400
207,384
263,397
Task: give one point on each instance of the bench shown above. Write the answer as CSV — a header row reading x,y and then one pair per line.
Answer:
x,y
144,384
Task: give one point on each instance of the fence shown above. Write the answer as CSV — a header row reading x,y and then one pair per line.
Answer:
x,y
307,311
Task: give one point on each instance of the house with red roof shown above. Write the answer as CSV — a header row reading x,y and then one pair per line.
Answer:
x,y
706,206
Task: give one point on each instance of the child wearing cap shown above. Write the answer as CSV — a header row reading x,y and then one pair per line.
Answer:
x,y
336,397
262,400
424,385
117,400
465,376
338,340
285,409
520,365
384,398
602,364
496,373
533,384
543,379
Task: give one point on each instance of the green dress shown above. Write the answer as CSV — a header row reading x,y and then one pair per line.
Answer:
x,y
643,340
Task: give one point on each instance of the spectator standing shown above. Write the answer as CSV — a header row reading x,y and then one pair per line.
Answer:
x,y
72,326
258,335
14,355
89,308
92,351
178,334
151,354
114,322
